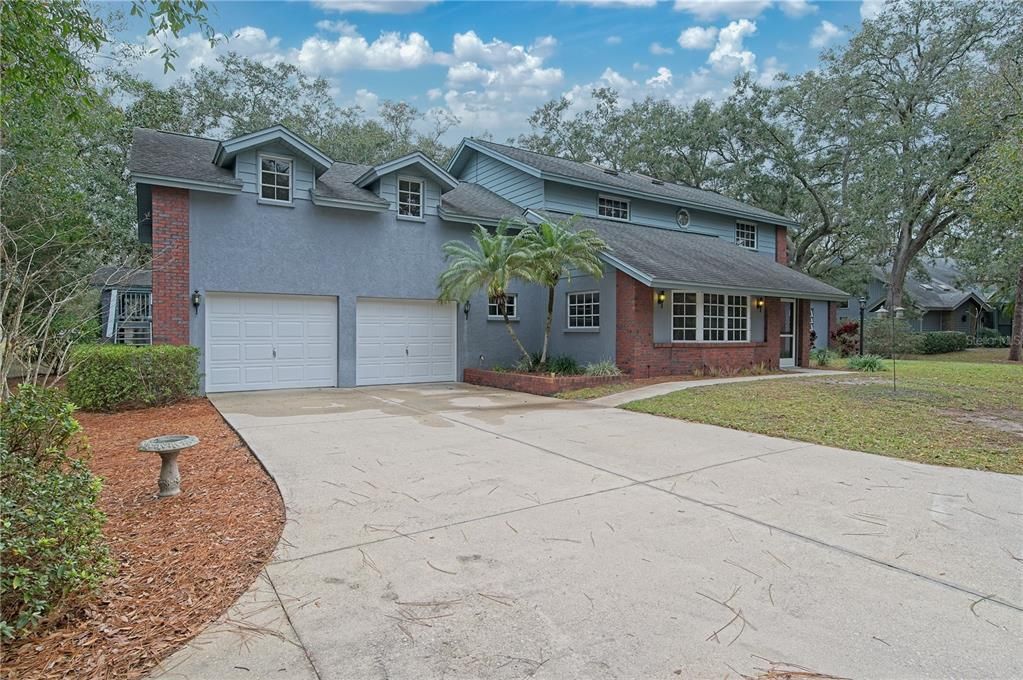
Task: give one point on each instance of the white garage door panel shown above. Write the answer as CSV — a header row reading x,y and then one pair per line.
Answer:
x,y
243,332
404,341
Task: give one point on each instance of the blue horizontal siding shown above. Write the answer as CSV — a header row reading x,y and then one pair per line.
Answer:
x,y
580,201
511,183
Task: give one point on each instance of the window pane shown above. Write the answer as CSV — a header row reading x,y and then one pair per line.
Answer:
x,y
267,164
267,192
283,194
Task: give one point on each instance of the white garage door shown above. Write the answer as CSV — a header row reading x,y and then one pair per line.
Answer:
x,y
265,342
404,341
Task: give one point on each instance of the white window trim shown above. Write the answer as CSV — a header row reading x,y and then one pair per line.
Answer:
x,y
568,310
619,199
699,321
511,317
259,179
422,197
756,234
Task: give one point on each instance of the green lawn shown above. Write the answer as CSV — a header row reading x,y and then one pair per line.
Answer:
x,y
946,413
982,355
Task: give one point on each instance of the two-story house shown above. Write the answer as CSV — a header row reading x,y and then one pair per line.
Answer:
x,y
288,268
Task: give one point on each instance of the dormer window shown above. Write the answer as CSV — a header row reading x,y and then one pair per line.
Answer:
x,y
410,197
746,235
275,179
613,208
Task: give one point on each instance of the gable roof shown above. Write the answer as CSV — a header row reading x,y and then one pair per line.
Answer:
x,y
184,161
625,183
415,158
670,258
939,289
228,149
122,277
336,188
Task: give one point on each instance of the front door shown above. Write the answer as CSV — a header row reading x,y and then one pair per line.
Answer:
x,y
788,333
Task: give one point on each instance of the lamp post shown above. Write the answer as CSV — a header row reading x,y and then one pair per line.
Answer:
x,y
863,309
897,314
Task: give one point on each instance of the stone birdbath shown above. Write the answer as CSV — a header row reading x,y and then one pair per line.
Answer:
x,y
169,447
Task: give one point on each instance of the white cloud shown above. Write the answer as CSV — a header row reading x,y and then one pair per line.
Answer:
x,y
728,54
662,79
367,100
697,37
871,9
707,10
374,6
659,49
434,93
389,52
343,27
797,8
825,34
613,40
639,66
194,51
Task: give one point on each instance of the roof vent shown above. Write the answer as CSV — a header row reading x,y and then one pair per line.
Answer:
x,y
609,171
658,182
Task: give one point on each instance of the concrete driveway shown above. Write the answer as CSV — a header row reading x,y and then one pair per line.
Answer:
x,y
452,531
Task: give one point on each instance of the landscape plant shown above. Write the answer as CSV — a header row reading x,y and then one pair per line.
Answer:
x,y
51,542
489,263
605,368
846,338
868,363
552,253
108,377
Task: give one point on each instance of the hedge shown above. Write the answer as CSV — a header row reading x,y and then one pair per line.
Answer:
x,y
119,377
940,342
51,541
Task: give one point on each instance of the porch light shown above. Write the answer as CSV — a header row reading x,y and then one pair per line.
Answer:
x,y
196,300
465,310
759,302
661,297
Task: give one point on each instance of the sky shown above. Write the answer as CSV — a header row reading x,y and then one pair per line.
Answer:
x,y
492,63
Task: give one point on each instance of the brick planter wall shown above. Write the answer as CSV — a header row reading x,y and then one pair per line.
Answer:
x,y
533,383
171,297
638,356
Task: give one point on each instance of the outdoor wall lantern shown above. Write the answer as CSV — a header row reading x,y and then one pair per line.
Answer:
x,y
661,298
760,303
465,310
196,300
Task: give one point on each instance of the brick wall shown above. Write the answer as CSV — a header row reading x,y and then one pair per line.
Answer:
x,y
781,245
171,297
832,321
533,383
638,355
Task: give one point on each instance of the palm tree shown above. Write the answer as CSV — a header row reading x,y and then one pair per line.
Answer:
x,y
555,251
490,263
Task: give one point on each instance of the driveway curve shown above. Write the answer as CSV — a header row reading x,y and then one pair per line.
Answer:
x,y
454,531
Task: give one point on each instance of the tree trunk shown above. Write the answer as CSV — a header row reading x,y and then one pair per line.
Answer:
x,y
1016,344
897,279
503,306
547,327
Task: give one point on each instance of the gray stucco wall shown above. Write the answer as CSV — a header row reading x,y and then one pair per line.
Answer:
x,y
820,323
240,246
584,345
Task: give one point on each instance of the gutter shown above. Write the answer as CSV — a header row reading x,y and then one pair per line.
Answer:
x,y
183,183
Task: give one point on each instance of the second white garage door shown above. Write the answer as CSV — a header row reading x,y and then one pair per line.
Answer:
x,y
404,341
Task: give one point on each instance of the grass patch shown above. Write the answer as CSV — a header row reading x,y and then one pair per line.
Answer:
x,y
945,413
979,355
584,393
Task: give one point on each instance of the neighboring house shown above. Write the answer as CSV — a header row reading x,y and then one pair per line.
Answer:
x,y
125,305
940,301
288,268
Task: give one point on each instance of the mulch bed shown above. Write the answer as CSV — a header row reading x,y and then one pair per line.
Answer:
x,y
182,561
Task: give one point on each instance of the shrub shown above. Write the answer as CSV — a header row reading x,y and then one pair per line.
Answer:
x,y
822,356
119,377
605,368
869,363
51,540
563,365
878,338
940,342
846,338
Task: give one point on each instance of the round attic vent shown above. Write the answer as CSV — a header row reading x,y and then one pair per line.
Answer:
x,y
682,217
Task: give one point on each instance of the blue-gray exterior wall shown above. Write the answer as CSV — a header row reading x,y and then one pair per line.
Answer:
x,y
574,200
585,346
820,323
519,187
